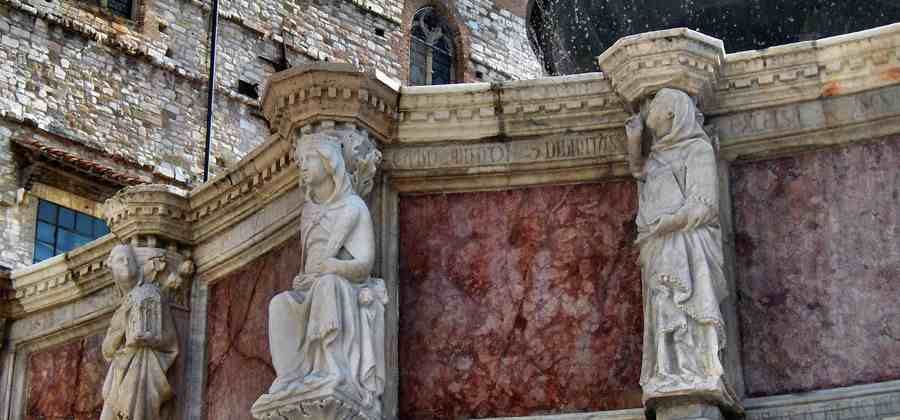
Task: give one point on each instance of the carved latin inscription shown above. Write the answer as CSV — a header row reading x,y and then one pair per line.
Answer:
x,y
576,146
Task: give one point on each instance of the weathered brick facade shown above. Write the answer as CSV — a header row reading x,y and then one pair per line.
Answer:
x,y
134,91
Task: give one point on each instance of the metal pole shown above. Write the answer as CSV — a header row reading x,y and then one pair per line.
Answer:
x,y
211,86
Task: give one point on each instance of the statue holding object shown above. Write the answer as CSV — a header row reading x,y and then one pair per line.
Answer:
x,y
141,343
681,249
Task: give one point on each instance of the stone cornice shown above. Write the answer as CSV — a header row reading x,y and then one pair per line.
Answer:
x,y
835,66
60,279
561,104
476,111
259,178
152,211
448,112
330,91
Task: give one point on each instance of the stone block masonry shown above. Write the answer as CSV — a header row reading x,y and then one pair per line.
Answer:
x,y
499,45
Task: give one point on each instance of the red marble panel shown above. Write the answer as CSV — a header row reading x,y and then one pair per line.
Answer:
x,y
65,382
818,261
240,369
519,302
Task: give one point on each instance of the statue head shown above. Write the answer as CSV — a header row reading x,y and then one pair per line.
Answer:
x,y
322,162
673,117
123,264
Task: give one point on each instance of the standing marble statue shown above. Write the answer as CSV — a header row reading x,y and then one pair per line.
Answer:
x,y
326,335
141,343
681,248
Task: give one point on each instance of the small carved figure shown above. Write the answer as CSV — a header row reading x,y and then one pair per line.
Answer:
x,y
327,334
141,342
681,247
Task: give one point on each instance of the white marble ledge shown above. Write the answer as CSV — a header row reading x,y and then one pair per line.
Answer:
x,y
631,414
879,401
446,89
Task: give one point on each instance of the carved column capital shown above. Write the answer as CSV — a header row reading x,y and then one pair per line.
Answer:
x,y
639,65
149,213
316,92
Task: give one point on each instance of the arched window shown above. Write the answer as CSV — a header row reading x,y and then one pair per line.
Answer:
x,y
431,50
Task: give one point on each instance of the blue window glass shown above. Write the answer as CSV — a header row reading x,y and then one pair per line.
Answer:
x,y
47,211
60,229
100,228
46,232
84,224
66,218
42,251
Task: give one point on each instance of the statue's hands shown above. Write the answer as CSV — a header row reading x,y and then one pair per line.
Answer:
x,y
326,266
634,127
696,215
143,339
669,223
329,266
299,281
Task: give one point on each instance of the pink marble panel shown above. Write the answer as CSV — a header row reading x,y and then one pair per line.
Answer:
x,y
519,302
239,366
818,261
64,382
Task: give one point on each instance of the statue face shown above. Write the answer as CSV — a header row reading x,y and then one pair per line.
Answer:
x,y
659,121
123,267
312,169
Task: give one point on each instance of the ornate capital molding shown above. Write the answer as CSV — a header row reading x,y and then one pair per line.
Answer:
x,y
151,213
330,91
639,65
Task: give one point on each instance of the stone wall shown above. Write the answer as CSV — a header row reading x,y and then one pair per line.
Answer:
x,y
818,289
519,302
499,45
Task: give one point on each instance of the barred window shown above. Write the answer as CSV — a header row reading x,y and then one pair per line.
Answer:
x,y
61,229
431,52
121,8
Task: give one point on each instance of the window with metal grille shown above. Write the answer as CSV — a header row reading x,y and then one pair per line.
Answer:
x,y
61,229
431,52
121,8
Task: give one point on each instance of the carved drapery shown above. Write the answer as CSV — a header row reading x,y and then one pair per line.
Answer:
x,y
327,334
663,76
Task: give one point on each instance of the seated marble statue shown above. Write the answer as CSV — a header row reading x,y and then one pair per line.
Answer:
x,y
681,247
141,343
326,334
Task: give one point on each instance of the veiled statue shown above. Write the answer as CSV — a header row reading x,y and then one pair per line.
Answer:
x,y
326,334
141,342
681,247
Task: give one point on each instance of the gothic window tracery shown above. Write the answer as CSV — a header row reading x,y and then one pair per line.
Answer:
x,y
431,52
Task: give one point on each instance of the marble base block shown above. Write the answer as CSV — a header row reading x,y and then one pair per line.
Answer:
x,y
329,405
682,410
712,389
